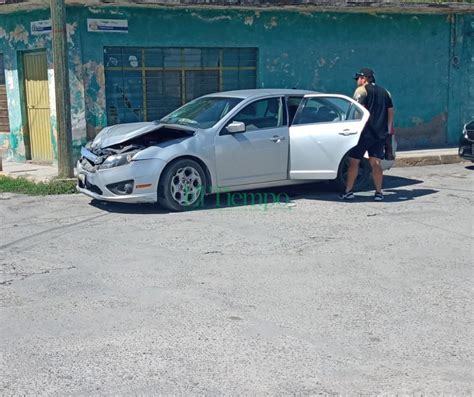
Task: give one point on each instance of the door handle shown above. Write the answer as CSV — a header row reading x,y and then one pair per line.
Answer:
x,y
277,138
347,133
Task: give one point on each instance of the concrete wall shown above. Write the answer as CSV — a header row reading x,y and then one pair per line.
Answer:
x,y
426,61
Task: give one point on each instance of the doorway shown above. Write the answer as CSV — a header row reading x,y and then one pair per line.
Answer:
x,y
37,106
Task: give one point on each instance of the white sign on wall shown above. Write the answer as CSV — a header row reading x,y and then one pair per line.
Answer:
x,y
40,27
107,25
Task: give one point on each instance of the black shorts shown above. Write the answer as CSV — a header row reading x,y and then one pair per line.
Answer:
x,y
370,144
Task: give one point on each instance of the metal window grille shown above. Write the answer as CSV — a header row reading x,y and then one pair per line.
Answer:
x,y
144,84
2,70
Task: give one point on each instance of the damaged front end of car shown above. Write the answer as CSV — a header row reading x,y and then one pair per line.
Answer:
x,y
100,159
115,167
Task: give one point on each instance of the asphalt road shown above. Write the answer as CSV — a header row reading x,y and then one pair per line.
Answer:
x,y
307,297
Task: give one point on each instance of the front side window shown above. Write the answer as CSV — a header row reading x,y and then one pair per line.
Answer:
x,y
262,114
326,110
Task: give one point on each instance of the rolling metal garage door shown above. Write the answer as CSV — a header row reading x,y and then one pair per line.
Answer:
x,y
145,84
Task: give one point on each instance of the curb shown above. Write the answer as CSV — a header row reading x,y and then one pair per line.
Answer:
x,y
34,178
420,160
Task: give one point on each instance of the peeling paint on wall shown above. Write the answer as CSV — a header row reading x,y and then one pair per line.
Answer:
x,y
210,19
3,34
78,113
52,106
16,145
95,99
71,31
248,21
115,12
273,23
20,34
279,64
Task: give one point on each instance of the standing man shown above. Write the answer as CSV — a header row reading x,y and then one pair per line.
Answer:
x,y
378,102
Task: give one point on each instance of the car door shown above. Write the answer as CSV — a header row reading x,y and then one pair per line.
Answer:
x,y
258,154
324,129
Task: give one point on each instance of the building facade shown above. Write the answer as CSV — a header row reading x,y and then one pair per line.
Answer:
x,y
131,63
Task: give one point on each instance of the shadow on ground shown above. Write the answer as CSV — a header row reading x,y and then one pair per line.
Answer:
x,y
279,198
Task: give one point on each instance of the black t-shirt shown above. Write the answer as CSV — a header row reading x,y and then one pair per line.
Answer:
x,y
377,101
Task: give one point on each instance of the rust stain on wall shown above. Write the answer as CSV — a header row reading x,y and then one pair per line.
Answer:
x,y
429,133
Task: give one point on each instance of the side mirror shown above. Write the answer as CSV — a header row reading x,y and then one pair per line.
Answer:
x,y
235,127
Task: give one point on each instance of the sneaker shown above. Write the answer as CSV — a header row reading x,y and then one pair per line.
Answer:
x,y
347,196
378,197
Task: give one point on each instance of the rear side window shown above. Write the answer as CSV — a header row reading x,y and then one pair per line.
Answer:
x,y
326,110
293,103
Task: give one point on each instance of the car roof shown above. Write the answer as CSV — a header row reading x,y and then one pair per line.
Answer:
x,y
261,92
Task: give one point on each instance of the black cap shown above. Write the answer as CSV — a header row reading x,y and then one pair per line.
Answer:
x,y
364,72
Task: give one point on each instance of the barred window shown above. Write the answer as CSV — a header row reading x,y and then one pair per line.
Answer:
x,y
145,84
2,71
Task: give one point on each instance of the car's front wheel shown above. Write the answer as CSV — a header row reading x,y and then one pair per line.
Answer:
x,y
363,177
182,186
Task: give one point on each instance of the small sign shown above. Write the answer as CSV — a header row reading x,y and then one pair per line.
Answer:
x,y
107,25
40,27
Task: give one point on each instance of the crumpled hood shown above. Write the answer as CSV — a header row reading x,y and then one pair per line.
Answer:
x,y
119,133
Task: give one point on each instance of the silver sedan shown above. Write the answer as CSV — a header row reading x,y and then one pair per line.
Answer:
x,y
228,141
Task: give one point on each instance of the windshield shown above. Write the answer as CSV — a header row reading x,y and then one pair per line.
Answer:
x,y
202,112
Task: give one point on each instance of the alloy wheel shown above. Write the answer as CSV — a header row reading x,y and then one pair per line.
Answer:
x,y
186,186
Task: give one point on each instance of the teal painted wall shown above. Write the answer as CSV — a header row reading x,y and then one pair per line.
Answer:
x,y
413,56
15,39
467,69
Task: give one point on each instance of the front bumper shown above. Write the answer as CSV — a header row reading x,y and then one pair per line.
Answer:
x,y
145,175
466,149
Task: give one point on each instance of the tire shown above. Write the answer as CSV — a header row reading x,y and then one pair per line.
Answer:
x,y
362,180
182,186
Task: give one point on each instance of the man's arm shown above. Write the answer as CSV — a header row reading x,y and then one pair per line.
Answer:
x,y
390,114
360,95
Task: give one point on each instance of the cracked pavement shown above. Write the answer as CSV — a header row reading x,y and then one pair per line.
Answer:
x,y
320,296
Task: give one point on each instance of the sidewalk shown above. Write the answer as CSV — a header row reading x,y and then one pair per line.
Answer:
x,y
38,172
35,172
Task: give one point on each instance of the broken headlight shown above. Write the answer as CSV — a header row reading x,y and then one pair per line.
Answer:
x,y
116,160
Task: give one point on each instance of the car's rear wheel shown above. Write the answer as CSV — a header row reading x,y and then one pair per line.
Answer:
x,y
363,177
182,185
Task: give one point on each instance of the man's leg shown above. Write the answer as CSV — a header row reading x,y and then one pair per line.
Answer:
x,y
377,173
352,173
